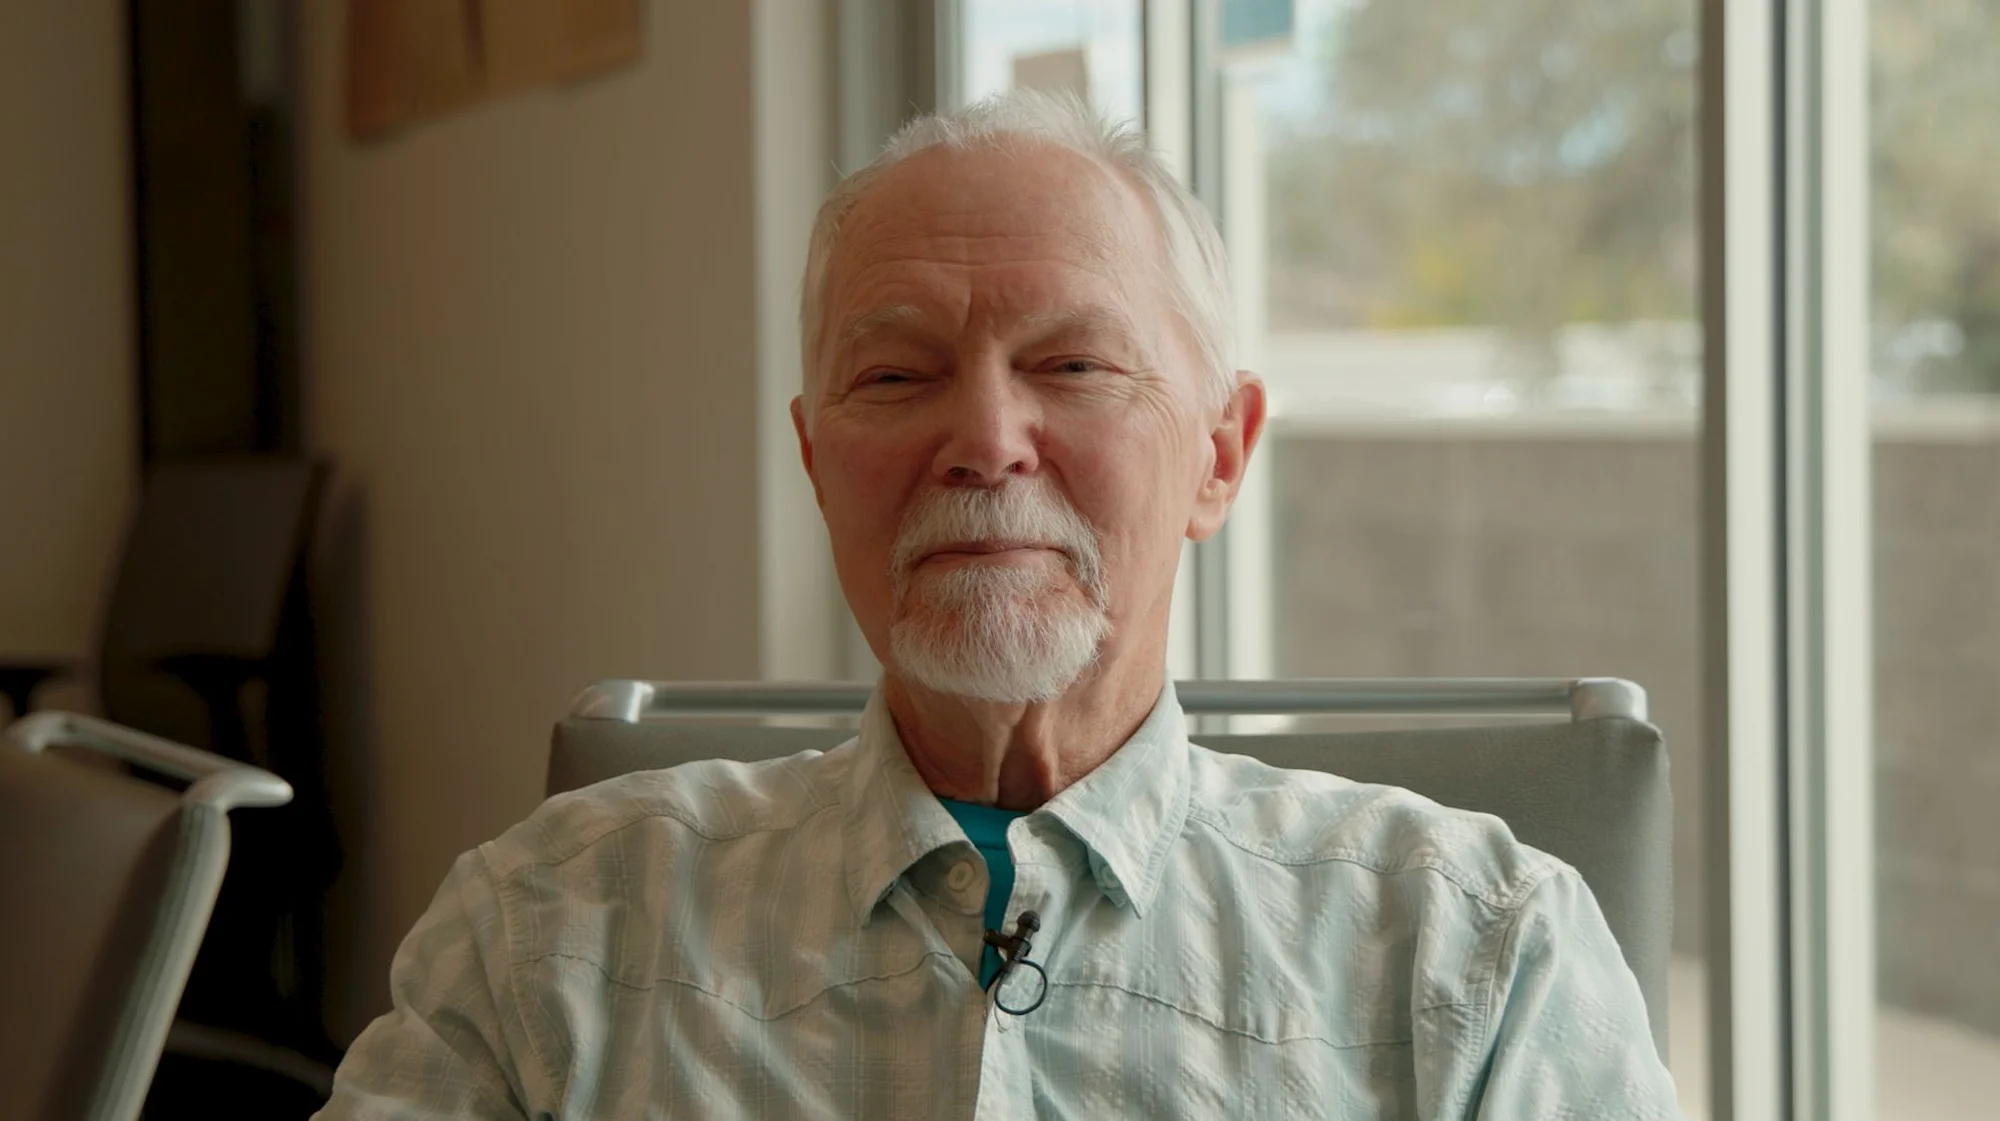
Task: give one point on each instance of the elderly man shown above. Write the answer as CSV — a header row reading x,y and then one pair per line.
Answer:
x,y
1020,891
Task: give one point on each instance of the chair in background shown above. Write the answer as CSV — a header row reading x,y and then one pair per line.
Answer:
x,y
198,599
107,881
206,639
1591,791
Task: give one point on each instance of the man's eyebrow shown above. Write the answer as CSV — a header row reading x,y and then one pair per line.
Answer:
x,y
872,322
1085,319
1094,320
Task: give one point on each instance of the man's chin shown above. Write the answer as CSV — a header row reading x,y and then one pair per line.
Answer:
x,y
1013,683
993,598
1012,657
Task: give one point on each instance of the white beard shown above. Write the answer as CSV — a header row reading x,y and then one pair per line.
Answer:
x,y
997,632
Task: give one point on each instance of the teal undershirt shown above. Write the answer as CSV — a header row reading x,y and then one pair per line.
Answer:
x,y
986,828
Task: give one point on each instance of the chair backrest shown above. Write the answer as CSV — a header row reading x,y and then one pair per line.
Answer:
x,y
1591,791
205,569
106,881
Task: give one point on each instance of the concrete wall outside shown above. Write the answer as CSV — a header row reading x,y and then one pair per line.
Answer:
x,y
1539,555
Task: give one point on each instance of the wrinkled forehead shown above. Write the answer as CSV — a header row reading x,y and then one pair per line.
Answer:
x,y
1025,221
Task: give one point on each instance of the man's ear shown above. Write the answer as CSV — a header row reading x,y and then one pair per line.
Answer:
x,y
806,446
1235,436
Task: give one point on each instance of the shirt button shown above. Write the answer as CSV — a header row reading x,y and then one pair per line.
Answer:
x,y
961,876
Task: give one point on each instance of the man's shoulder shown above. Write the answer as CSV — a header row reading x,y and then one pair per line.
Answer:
x,y
690,805
1310,818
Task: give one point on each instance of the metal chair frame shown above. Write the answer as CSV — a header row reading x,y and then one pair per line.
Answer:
x,y
216,786
1586,698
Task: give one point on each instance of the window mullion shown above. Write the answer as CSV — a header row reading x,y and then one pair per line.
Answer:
x,y
1742,559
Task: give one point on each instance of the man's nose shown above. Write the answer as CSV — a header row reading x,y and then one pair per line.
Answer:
x,y
992,423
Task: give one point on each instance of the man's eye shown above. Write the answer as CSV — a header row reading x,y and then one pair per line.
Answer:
x,y
1077,366
883,377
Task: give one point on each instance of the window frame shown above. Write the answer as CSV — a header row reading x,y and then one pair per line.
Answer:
x,y
1787,592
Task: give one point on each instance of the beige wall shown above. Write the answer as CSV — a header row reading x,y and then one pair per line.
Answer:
x,y
67,437
805,622
532,352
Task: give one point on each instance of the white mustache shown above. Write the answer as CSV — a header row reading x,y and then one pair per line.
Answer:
x,y
1025,511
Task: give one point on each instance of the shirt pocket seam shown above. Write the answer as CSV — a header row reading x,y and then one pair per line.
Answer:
x,y
755,1014
1213,1022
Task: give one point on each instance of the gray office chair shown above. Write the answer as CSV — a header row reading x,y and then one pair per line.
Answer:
x,y
1591,790
107,881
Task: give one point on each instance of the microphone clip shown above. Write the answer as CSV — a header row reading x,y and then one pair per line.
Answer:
x,y
1014,950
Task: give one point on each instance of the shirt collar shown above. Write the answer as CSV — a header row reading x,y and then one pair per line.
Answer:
x,y
1129,811
893,820
1126,813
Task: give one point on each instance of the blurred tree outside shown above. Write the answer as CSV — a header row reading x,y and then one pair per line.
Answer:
x,y
1531,164
1936,183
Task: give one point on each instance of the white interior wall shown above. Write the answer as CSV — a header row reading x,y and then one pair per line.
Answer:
x,y
67,412
795,117
542,349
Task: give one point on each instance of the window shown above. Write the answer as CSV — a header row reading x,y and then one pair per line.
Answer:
x,y
1086,47
1935,232
1475,244
1466,234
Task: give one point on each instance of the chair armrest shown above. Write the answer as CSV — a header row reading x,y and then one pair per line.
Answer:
x,y
222,783
198,1041
19,679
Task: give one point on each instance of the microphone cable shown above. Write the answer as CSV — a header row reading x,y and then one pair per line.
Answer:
x,y
1014,952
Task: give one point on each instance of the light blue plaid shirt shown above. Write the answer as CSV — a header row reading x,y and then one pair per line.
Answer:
x,y
800,938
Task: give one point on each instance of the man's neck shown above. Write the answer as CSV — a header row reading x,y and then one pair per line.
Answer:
x,y
1018,756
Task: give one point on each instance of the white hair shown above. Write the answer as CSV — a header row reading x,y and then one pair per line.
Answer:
x,y
1197,265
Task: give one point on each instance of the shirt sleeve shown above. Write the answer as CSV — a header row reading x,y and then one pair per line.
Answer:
x,y
441,1051
1569,1032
